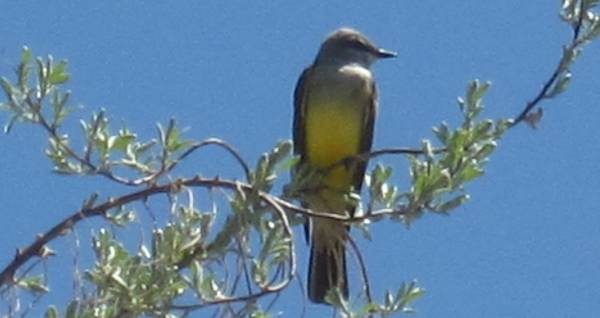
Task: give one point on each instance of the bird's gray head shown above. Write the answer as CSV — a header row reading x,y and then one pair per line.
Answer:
x,y
347,45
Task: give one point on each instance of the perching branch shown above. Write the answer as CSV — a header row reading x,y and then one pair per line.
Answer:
x,y
36,249
435,172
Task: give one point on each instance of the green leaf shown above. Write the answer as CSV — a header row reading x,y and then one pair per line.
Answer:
x,y
475,92
61,111
419,186
289,163
469,173
42,71
141,149
26,55
368,309
461,103
439,180
122,217
72,309
209,289
7,88
23,69
260,314
58,74
483,129
52,312
452,203
485,151
117,278
122,141
442,132
569,56
568,10
458,140
381,173
594,30
172,134
334,297
427,149
259,272
561,85
502,126
407,294
8,127
171,138
260,174
34,284
281,151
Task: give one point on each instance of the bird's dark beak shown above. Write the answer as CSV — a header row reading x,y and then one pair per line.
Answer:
x,y
382,54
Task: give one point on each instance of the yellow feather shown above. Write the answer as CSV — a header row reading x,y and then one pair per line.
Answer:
x,y
333,132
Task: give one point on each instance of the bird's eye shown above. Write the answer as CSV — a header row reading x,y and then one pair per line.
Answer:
x,y
359,45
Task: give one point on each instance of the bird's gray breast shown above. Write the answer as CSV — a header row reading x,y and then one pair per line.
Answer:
x,y
349,82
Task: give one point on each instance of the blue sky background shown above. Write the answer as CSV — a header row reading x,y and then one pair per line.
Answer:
x,y
526,245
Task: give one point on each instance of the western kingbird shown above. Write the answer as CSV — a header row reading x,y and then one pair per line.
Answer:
x,y
335,103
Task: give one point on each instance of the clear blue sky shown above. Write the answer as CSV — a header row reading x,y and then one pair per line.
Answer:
x,y
526,245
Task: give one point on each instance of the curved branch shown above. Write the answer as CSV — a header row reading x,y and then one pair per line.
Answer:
x,y
575,42
366,156
577,28
228,300
217,142
363,269
35,106
539,97
37,248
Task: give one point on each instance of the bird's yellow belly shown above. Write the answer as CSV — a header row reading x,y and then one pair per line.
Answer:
x,y
333,132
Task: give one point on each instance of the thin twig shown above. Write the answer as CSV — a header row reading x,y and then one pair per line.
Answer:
x,y
538,98
577,28
228,300
366,156
363,269
575,42
272,302
36,108
35,249
218,142
270,289
302,292
6,276
279,205
244,265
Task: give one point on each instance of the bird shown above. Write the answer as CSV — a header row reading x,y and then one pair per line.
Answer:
x,y
335,106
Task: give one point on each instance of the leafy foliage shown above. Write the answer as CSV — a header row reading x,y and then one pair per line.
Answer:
x,y
239,255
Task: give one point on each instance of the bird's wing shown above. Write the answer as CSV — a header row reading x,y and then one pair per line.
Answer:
x,y
366,142
298,130
299,114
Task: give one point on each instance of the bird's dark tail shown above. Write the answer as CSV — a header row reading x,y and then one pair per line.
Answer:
x,y
327,267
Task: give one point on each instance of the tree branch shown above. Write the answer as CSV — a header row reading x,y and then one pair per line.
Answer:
x,y
542,94
279,205
213,141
